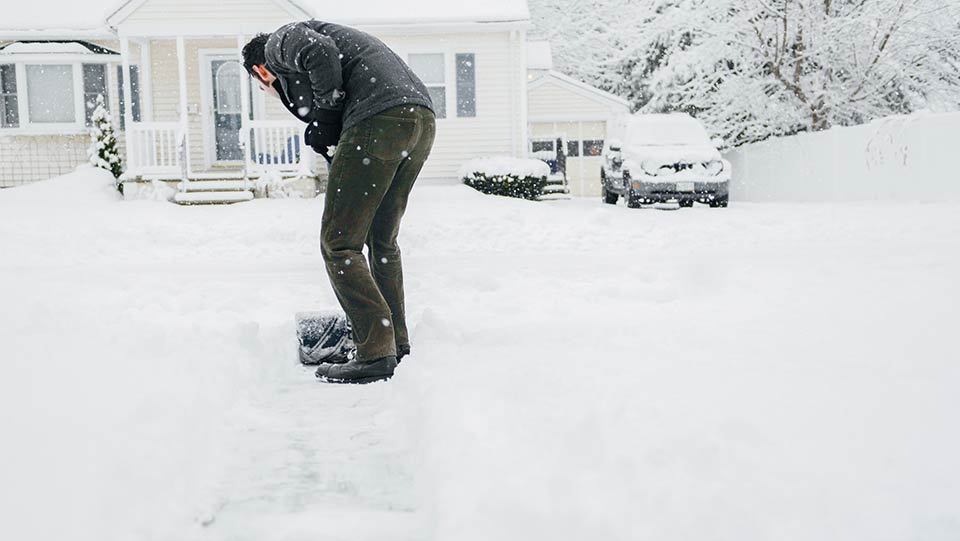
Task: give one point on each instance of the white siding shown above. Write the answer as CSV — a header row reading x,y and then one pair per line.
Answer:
x,y
551,100
498,120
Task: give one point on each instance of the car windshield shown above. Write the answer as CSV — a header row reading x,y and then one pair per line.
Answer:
x,y
652,131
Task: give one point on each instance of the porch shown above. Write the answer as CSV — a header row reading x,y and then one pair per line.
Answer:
x,y
202,118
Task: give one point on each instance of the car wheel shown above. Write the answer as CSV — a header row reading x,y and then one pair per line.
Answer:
x,y
720,202
609,198
632,201
686,202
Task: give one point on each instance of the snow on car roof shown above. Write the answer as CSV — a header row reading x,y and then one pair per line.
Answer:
x,y
665,129
92,14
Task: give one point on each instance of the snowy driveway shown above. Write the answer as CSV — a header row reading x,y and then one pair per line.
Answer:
x,y
579,371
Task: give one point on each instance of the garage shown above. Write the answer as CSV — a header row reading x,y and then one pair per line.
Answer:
x,y
569,122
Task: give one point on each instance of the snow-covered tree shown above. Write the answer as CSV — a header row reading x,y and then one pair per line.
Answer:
x,y
104,151
751,69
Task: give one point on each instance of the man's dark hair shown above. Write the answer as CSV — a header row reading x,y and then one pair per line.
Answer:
x,y
253,53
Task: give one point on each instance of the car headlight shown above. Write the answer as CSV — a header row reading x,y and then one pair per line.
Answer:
x,y
713,167
649,167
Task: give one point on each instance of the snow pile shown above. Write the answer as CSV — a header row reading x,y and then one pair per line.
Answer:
x,y
502,166
87,186
910,157
274,186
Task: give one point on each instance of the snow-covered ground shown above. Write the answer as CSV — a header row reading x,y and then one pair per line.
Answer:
x,y
579,371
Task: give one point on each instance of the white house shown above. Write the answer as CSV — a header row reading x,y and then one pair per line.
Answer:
x,y
193,112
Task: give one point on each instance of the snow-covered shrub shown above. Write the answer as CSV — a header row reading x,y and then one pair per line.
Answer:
x,y
104,151
505,175
274,186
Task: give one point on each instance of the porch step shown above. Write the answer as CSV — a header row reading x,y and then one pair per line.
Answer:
x,y
218,185
212,197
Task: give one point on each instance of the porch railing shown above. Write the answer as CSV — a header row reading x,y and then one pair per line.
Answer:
x,y
274,145
154,148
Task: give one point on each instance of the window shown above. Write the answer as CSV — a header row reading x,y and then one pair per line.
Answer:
x,y
431,70
94,84
9,106
541,146
466,86
573,148
134,93
50,97
593,147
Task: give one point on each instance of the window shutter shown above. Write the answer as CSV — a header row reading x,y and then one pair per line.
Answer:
x,y
466,86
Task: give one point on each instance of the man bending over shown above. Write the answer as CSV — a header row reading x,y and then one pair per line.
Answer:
x,y
356,95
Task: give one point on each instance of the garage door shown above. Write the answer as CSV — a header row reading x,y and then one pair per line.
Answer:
x,y
583,144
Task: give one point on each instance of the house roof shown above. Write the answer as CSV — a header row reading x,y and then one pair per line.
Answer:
x,y
89,17
579,87
378,12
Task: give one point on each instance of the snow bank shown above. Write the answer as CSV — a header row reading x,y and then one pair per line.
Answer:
x,y
496,166
909,157
87,185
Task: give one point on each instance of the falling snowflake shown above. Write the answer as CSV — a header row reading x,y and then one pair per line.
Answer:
x,y
383,260
366,161
404,153
385,322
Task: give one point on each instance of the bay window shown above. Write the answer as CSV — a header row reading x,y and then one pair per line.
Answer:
x,y
50,96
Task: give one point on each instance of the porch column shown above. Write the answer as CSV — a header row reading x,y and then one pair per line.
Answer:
x,y
245,112
184,121
132,163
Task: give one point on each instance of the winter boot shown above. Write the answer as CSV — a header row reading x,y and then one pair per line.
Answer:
x,y
357,371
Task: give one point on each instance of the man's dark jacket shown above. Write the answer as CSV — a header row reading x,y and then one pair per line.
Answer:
x,y
331,72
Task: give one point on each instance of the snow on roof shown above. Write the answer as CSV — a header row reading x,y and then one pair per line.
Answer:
x,y
375,12
539,55
58,14
52,47
91,15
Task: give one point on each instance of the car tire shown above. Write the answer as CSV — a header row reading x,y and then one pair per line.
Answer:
x,y
609,198
687,203
631,200
720,202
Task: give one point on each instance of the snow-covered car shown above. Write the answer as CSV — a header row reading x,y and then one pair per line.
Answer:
x,y
665,157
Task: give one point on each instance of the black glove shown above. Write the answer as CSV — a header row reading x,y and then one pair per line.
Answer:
x,y
320,135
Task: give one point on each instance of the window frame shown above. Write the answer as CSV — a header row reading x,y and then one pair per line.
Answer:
x,y
450,79
78,126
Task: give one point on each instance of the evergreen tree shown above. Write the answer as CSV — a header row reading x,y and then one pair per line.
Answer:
x,y
104,152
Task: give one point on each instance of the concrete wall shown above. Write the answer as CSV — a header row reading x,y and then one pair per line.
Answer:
x,y
905,157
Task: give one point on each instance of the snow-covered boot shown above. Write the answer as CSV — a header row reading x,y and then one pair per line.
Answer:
x,y
357,371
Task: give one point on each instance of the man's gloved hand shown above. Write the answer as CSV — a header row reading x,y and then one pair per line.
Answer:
x,y
320,135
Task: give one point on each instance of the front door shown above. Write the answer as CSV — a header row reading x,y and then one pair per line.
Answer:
x,y
225,111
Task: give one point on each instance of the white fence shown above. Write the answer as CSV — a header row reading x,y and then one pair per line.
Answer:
x,y
154,148
274,145
903,157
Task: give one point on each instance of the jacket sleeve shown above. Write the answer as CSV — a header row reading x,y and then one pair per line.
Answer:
x,y
304,50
